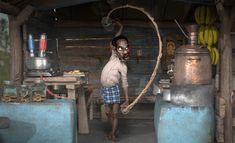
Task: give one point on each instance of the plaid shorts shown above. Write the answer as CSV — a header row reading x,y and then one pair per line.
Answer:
x,y
111,94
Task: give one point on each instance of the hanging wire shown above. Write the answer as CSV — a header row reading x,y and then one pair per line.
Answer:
x,y
181,29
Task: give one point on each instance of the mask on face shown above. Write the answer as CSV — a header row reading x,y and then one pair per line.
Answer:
x,y
124,52
121,46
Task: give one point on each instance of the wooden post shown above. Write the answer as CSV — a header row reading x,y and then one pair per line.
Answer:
x,y
82,112
15,23
226,67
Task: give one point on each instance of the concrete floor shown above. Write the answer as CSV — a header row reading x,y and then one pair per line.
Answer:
x,y
130,131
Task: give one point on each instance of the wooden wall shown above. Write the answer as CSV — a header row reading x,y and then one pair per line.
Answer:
x,y
87,48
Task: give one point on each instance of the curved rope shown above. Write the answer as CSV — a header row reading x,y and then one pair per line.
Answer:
x,y
130,106
120,28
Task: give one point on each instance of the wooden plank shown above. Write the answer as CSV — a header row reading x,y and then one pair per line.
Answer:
x,y
91,117
16,44
63,79
100,41
70,63
219,129
102,52
93,41
142,66
220,106
71,93
79,60
133,33
77,51
16,55
127,23
233,121
226,64
82,112
147,53
134,66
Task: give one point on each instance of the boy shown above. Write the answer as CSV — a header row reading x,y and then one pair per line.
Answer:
x,y
112,72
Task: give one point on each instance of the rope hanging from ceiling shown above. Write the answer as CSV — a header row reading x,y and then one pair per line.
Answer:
x,y
127,109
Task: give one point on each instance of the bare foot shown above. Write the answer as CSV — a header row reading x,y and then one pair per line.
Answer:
x,y
115,138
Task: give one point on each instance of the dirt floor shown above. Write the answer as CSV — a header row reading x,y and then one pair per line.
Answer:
x,y
130,131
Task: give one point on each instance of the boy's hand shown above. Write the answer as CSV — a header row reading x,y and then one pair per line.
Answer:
x,y
125,104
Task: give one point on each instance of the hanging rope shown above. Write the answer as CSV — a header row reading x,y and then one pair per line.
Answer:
x,y
130,106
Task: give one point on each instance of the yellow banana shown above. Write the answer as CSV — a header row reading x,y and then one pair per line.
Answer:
x,y
212,54
206,34
216,56
215,35
198,40
210,37
209,48
201,34
196,15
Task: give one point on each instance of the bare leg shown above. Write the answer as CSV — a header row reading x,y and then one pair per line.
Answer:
x,y
115,120
108,113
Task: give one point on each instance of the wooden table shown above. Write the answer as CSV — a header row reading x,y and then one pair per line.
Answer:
x,y
71,83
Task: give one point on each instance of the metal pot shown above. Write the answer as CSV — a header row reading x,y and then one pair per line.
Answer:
x,y
38,63
192,66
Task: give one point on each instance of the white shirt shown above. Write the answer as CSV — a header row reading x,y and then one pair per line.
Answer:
x,y
113,71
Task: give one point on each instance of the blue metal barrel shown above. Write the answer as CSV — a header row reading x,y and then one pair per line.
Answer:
x,y
51,121
188,118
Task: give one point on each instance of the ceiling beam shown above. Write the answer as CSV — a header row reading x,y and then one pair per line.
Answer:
x,y
24,14
53,4
227,2
131,23
8,9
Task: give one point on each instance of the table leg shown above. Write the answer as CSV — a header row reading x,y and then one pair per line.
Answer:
x,y
91,111
71,91
82,112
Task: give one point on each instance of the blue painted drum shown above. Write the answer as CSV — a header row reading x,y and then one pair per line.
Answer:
x,y
183,124
51,121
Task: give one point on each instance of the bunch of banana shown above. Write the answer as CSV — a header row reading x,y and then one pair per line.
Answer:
x,y
204,15
208,35
214,53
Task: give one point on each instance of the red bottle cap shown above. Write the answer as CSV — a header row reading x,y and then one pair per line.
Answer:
x,y
43,43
